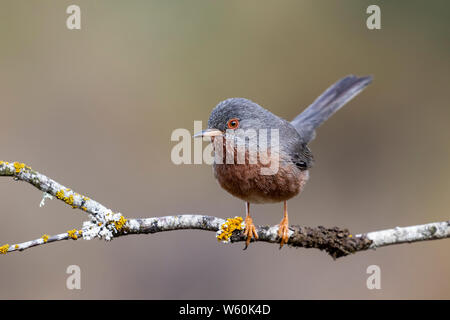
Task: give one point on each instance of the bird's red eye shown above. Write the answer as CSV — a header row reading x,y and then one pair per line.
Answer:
x,y
233,123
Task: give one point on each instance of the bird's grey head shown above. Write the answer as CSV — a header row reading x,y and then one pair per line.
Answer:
x,y
241,113
251,120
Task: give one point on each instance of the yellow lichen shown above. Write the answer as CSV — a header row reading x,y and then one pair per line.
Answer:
x,y
4,249
226,229
70,200
19,166
84,208
73,234
16,246
119,224
45,237
60,194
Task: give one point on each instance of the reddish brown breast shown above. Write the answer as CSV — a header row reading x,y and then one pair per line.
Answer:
x,y
246,182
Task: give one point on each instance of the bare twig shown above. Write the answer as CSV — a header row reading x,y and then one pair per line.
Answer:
x,y
106,224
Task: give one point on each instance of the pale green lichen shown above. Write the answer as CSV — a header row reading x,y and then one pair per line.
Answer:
x,y
7,170
227,228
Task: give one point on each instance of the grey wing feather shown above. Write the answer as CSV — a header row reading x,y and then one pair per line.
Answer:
x,y
328,103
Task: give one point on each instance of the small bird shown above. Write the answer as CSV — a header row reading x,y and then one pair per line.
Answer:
x,y
245,180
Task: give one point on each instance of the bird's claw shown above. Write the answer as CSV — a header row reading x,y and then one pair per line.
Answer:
x,y
249,231
283,232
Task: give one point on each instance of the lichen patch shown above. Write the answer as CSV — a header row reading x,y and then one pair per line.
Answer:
x,y
4,249
228,227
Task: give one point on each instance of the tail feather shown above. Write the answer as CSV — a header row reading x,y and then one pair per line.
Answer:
x,y
327,104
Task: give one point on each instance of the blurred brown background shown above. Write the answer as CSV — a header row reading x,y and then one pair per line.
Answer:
x,y
94,109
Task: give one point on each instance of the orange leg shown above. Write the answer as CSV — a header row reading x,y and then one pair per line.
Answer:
x,y
283,227
250,230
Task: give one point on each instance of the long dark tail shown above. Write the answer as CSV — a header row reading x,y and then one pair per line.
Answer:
x,y
328,103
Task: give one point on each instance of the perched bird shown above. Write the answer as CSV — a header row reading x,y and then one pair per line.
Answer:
x,y
245,180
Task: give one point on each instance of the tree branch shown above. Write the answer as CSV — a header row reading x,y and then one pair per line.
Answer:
x,y
106,224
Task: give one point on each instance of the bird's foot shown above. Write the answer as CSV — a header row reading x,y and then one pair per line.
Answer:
x,y
283,231
249,231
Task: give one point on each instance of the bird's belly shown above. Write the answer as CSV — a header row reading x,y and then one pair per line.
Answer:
x,y
246,182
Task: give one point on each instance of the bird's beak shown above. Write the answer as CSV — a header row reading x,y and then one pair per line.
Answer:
x,y
208,133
